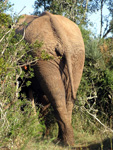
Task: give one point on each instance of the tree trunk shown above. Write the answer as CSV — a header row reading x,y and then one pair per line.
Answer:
x,y
44,5
101,19
86,8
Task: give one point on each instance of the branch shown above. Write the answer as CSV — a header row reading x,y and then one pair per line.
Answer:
x,y
94,116
8,105
109,30
3,116
22,10
86,8
21,38
101,19
5,1
107,23
11,26
29,63
25,64
7,33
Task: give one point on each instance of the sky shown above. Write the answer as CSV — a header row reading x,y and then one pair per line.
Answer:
x,y
19,5
28,4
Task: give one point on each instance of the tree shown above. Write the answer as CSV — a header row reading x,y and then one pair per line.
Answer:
x,y
105,19
4,5
14,124
76,10
41,5
108,19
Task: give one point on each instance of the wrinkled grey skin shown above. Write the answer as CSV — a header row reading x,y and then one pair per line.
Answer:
x,y
58,78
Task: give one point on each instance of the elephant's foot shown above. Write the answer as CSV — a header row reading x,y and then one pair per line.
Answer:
x,y
68,140
66,136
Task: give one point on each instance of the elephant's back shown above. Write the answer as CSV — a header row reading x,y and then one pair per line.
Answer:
x,y
56,32
48,28
52,30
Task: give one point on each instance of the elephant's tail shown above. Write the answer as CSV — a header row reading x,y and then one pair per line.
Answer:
x,y
69,65
55,24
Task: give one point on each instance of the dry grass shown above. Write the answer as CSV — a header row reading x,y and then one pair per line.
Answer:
x,y
82,143
87,137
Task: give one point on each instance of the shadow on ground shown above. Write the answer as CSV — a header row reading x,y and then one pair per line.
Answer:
x,y
107,144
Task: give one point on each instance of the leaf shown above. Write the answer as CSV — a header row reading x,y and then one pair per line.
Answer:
x,y
28,83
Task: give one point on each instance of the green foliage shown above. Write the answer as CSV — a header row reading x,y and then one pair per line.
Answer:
x,y
16,126
4,6
45,56
45,4
28,83
95,92
74,10
78,11
5,19
96,87
36,45
86,34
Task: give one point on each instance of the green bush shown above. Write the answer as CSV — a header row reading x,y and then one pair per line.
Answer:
x,y
16,126
95,93
96,87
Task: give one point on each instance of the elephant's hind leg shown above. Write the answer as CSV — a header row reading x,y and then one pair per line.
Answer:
x,y
50,79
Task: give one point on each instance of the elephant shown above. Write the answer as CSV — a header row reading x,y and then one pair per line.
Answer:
x,y
57,79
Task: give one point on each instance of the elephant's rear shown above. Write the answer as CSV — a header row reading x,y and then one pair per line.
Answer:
x,y
68,42
60,37
60,77
68,35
